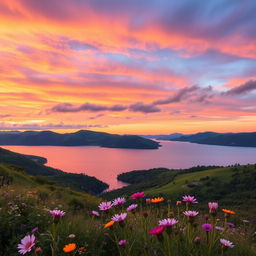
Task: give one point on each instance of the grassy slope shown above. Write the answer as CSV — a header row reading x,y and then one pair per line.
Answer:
x,y
179,183
22,182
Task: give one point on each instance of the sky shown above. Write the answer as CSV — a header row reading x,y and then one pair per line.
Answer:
x,y
128,67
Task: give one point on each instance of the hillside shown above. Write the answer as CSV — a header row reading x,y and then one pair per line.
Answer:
x,y
79,138
234,185
32,166
222,139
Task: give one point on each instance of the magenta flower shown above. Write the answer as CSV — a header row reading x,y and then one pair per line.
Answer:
x,y
105,206
57,213
26,244
95,213
122,242
119,217
213,207
168,222
119,201
138,195
34,230
191,214
157,230
226,244
190,199
132,207
207,227
148,200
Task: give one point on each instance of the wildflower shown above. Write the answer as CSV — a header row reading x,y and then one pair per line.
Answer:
x,y
219,228
230,224
57,214
197,240
105,206
226,244
26,244
157,230
119,217
148,200
190,199
109,224
71,236
207,227
178,202
119,201
145,214
213,207
38,250
132,207
138,195
122,242
191,214
168,222
69,248
34,230
157,200
228,211
95,213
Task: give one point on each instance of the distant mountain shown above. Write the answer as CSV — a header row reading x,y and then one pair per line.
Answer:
x,y
164,137
245,139
32,165
79,138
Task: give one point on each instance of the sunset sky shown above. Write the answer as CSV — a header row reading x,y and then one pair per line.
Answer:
x,y
134,66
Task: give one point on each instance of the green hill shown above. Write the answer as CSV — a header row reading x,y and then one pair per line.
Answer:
x,y
32,166
234,185
245,139
79,138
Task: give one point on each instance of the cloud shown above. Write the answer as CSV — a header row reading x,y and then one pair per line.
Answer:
x,y
242,89
49,126
144,108
67,107
180,95
4,115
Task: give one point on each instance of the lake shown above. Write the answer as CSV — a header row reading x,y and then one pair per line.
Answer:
x,y
106,163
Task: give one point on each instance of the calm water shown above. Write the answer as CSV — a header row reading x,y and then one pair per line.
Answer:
x,y
106,163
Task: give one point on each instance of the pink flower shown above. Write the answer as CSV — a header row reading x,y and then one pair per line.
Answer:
x,y
26,244
226,243
168,222
148,200
213,207
138,195
119,217
207,227
190,199
57,213
122,242
105,206
132,207
119,201
157,230
95,213
178,202
191,214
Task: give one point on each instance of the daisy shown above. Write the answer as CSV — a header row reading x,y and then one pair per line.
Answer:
x,y
26,244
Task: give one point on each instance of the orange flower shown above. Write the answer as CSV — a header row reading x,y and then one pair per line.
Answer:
x,y
228,211
157,200
69,248
109,224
